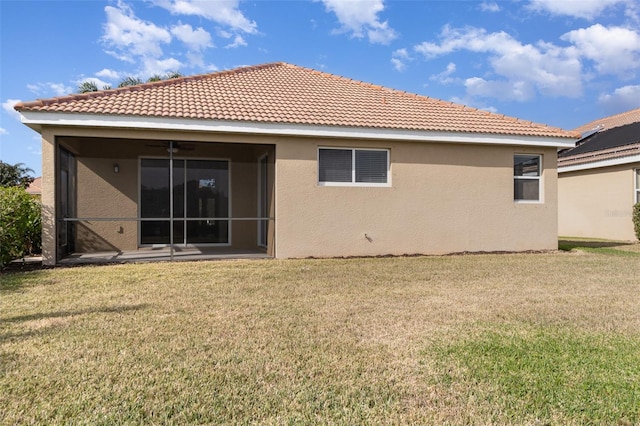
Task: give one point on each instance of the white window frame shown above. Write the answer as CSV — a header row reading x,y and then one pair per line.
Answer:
x,y
353,168
636,179
540,199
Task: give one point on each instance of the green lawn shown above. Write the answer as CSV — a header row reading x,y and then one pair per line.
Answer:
x,y
479,339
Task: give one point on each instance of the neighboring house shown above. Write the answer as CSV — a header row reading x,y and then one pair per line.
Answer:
x,y
35,187
294,162
599,179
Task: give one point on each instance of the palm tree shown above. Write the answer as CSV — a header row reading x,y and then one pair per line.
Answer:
x,y
90,86
15,175
87,86
130,81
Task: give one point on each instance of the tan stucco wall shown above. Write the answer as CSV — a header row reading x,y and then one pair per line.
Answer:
x,y
444,198
48,198
104,194
597,203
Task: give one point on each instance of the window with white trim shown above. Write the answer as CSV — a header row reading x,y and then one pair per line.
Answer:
x,y
637,185
527,170
353,166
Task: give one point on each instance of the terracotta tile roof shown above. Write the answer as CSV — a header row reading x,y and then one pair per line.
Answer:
x,y
285,93
35,187
608,144
610,122
595,156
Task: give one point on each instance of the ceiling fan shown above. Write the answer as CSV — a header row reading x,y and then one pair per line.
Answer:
x,y
175,146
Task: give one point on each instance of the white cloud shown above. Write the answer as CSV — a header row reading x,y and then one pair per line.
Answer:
x,y
35,149
238,41
473,104
487,6
48,89
110,74
399,59
615,50
3,131
131,36
224,12
195,59
8,107
99,83
445,76
197,39
136,41
522,69
622,99
120,56
587,9
509,90
360,18
153,66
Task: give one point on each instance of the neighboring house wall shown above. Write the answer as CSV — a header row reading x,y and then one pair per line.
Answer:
x,y
597,202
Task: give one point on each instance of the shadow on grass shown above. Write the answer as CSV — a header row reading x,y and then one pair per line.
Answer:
x,y
62,314
596,246
13,281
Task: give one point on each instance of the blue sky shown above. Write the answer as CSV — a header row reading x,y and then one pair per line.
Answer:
x,y
561,63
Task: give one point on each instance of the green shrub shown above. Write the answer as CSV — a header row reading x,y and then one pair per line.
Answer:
x,y
636,219
20,224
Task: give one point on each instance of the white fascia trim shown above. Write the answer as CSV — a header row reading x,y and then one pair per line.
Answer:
x,y
602,163
36,118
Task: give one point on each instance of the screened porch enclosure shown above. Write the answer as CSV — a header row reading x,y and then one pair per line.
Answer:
x,y
126,195
200,196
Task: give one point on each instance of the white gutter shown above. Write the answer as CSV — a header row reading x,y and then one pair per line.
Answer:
x,y
34,119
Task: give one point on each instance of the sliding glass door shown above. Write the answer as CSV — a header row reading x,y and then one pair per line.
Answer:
x,y
200,198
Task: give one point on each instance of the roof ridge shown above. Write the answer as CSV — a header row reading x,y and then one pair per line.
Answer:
x,y
594,123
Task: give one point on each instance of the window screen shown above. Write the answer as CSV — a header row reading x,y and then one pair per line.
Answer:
x,y
526,177
356,166
371,166
335,165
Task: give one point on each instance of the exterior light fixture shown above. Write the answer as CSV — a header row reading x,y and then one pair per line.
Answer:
x,y
116,168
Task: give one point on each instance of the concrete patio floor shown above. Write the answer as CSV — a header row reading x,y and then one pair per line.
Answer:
x,y
161,255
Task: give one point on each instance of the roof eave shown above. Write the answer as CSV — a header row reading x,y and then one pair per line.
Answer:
x,y
600,164
37,119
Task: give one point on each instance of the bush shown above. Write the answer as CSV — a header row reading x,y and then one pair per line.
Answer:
x,y
636,219
20,224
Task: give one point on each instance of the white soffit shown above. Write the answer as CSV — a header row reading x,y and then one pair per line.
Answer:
x,y
34,119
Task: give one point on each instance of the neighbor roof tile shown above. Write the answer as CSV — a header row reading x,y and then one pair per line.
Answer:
x,y
285,93
606,123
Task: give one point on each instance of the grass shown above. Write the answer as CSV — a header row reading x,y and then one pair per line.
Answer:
x,y
484,339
